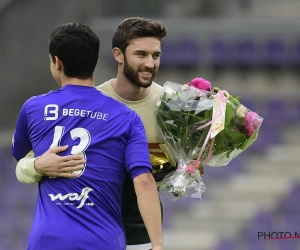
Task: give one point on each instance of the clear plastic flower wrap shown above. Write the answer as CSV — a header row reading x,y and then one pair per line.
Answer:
x,y
201,125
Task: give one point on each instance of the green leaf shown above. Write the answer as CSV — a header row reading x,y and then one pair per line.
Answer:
x,y
228,114
250,140
238,141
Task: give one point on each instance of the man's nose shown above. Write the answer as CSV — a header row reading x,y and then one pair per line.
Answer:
x,y
149,62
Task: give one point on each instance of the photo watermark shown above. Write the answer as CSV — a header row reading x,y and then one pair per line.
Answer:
x,y
277,235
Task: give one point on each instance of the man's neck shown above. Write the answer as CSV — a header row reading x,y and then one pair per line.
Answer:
x,y
75,81
128,91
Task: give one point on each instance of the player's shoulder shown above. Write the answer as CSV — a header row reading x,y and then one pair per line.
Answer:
x,y
37,99
104,85
106,90
157,88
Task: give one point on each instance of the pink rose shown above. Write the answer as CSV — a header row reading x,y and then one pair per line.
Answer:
x,y
200,83
253,122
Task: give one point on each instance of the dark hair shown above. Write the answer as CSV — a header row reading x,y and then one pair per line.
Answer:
x,y
77,46
136,27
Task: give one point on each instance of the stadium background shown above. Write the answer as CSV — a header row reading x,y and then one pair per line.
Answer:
x,y
251,48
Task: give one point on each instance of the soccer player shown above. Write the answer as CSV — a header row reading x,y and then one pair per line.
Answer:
x,y
109,141
136,46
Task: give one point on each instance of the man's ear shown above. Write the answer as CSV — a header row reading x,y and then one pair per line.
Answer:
x,y
58,63
118,55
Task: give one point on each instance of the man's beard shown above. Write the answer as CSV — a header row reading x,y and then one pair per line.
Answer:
x,y
133,75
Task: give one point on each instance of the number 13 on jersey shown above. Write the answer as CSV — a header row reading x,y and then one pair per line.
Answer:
x,y
82,134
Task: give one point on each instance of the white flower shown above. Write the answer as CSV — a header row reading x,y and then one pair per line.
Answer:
x,y
241,111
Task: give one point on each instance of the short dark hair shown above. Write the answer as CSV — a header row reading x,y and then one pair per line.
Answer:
x,y
77,46
137,27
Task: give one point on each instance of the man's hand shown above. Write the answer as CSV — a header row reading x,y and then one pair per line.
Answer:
x,y
201,170
52,165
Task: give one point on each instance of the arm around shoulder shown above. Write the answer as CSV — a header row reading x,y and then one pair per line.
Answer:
x,y
25,170
30,169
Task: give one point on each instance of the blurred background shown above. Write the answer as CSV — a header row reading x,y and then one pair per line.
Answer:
x,y
251,48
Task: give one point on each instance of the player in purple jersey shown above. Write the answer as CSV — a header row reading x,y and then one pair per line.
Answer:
x,y
85,212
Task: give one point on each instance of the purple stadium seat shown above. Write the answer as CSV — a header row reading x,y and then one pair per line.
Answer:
x,y
291,202
295,55
227,245
188,53
233,167
294,112
290,221
180,53
287,244
276,112
168,208
220,54
169,54
5,222
297,110
257,244
262,221
267,136
246,53
3,243
275,53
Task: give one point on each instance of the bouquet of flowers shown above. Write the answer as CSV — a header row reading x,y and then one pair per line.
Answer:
x,y
201,124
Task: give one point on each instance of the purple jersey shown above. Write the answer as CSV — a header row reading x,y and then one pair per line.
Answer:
x,y
84,212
